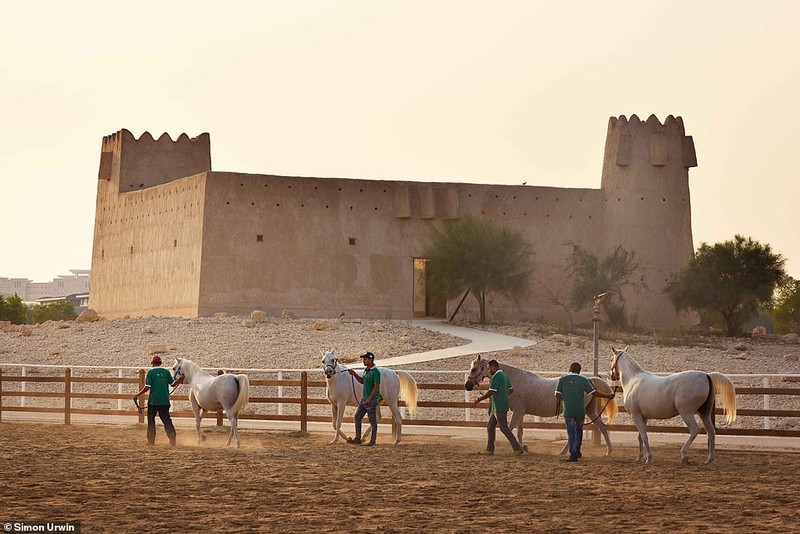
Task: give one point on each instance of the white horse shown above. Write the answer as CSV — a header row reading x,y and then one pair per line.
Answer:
x,y
343,389
213,393
536,396
648,396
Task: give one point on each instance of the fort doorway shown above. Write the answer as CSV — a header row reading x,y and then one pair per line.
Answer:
x,y
424,304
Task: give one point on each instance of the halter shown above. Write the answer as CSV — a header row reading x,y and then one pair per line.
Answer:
x,y
332,366
476,382
614,375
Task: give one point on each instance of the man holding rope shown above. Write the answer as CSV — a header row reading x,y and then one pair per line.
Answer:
x,y
570,391
370,398
157,382
499,390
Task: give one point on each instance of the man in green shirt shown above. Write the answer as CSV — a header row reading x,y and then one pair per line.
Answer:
x,y
570,390
499,390
157,382
370,398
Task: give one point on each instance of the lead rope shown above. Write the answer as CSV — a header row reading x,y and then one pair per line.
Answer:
x,y
604,406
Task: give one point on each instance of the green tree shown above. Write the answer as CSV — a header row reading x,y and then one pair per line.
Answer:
x,y
786,313
611,275
475,255
733,278
14,310
55,311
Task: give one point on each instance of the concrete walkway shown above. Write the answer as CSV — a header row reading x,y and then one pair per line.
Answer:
x,y
480,341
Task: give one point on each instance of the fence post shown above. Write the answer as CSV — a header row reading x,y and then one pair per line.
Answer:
x,y
141,385
280,393
467,411
767,422
67,394
22,387
304,401
119,390
219,412
1,395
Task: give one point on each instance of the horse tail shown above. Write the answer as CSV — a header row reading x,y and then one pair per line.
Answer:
x,y
244,394
723,387
408,390
611,408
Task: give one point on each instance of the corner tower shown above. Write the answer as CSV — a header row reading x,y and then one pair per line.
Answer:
x,y
646,207
134,164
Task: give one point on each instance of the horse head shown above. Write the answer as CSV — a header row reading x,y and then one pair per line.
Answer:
x,y
329,363
177,367
614,374
477,372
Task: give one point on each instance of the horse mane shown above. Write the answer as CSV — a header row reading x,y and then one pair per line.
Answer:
x,y
633,363
191,367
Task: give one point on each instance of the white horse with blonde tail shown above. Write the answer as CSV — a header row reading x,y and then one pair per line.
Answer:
x,y
648,396
343,389
535,395
213,393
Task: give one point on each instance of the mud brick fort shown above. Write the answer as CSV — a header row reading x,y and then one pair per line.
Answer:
x,y
173,237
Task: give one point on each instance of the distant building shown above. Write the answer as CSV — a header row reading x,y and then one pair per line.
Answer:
x,y
61,286
79,301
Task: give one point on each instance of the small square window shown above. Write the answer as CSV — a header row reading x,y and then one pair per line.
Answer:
x,y
259,238
352,240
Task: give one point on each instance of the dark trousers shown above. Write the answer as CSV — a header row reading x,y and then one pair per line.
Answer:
x,y
500,419
369,410
163,412
574,435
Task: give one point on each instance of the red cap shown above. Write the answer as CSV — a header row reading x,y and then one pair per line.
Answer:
x,y
156,359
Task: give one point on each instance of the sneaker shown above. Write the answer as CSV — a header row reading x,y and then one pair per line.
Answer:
x,y
486,452
354,441
517,452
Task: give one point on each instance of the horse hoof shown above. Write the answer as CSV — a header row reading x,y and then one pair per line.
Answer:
x,y
685,461
525,448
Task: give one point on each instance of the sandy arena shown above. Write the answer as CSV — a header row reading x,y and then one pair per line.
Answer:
x,y
107,478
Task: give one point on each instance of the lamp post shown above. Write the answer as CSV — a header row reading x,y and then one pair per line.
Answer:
x,y
596,330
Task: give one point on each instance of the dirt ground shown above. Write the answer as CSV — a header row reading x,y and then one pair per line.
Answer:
x,y
107,478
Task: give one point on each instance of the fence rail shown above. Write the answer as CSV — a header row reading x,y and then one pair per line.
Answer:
x,y
311,393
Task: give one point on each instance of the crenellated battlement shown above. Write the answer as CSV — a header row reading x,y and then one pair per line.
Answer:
x,y
133,163
651,124
639,144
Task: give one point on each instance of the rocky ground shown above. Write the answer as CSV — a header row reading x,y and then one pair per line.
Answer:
x,y
285,343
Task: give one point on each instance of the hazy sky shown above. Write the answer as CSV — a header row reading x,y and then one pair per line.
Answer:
x,y
461,91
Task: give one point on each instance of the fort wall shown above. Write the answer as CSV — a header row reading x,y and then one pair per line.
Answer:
x,y
173,237
147,245
320,247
